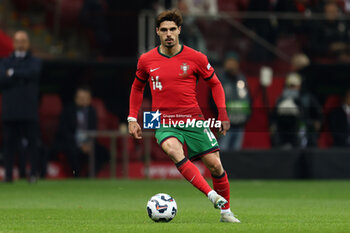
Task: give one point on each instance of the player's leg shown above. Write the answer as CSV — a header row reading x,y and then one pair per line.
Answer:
x,y
220,183
219,177
174,149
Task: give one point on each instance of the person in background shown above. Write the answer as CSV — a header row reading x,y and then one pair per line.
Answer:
x,y
340,123
264,28
238,102
299,61
297,117
292,26
74,119
330,37
191,34
19,81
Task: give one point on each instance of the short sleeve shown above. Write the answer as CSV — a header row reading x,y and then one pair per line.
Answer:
x,y
204,69
141,72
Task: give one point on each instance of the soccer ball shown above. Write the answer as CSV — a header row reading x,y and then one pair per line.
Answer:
x,y
161,208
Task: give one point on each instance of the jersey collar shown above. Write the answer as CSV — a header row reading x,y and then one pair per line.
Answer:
x,y
182,47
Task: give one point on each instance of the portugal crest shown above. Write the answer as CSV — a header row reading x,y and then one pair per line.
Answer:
x,y
184,67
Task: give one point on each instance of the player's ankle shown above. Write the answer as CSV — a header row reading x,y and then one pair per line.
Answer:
x,y
223,211
212,195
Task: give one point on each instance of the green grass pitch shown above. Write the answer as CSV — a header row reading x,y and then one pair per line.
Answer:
x,y
120,206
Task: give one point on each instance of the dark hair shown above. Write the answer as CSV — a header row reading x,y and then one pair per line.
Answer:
x,y
169,15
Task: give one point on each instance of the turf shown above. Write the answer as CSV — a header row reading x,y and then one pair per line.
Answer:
x,y
120,206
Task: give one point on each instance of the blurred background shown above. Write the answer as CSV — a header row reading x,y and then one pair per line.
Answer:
x,y
284,65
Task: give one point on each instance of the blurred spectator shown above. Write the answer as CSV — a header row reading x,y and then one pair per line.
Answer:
x,y
347,6
190,33
201,7
19,80
340,123
238,102
265,28
330,36
75,118
297,116
288,26
299,61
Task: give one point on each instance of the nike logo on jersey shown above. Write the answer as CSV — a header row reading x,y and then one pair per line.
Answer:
x,y
151,70
212,144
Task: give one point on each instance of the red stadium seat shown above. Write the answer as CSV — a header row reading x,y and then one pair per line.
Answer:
x,y
102,113
106,120
232,5
325,140
257,133
49,111
6,46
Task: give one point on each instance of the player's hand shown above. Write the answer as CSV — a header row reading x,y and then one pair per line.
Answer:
x,y
225,125
135,130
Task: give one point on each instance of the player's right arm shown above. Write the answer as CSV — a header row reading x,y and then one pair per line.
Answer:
x,y
136,97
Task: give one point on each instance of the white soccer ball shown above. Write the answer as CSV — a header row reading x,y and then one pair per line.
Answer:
x,y
161,208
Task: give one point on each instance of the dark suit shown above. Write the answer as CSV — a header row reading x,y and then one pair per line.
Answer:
x,y
67,142
340,127
20,108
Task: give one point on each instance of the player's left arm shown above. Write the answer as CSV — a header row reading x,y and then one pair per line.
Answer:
x,y
219,98
206,71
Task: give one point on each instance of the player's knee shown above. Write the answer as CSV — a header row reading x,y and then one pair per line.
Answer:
x,y
216,168
174,151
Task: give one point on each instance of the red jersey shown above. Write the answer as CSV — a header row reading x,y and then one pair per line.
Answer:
x,y
173,82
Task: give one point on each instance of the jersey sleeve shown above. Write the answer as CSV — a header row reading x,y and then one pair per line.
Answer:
x,y
219,97
204,69
141,72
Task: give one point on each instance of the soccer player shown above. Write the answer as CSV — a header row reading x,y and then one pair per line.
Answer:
x,y
172,70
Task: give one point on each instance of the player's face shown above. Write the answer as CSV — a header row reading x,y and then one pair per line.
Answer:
x,y
168,33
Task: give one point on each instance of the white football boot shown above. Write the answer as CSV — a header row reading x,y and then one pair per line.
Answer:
x,y
229,217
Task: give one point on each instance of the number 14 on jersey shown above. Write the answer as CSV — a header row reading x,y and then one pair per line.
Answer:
x,y
156,83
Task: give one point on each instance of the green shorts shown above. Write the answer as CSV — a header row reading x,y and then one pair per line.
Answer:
x,y
199,141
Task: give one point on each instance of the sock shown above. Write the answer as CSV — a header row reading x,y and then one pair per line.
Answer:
x,y
222,187
193,175
223,211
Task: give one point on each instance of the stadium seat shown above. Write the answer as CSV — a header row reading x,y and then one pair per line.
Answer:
x,y
257,133
106,120
325,140
70,11
102,113
6,46
49,111
232,5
